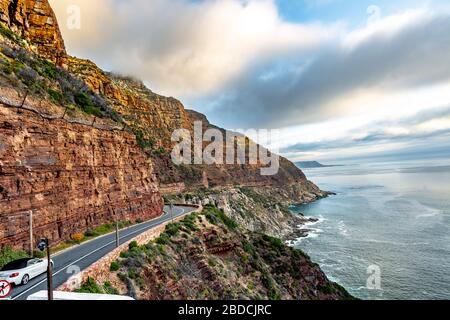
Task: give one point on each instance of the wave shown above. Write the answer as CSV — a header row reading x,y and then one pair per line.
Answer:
x,y
428,211
394,243
343,231
312,233
316,220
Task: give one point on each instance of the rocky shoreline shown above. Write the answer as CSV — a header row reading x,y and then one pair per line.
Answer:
x,y
259,209
300,221
300,232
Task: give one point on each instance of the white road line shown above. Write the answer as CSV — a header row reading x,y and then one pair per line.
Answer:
x,y
87,255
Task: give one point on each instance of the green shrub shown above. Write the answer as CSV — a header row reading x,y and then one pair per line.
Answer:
x,y
211,262
274,295
133,244
82,99
172,229
90,233
124,254
39,254
100,230
45,68
249,248
7,68
90,286
57,96
132,273
275,242
160,151
85,103
7,254
115,266
163,239
143,142
123,224
109,289
189,222
7,33
140,282
268,282
230,223
122,276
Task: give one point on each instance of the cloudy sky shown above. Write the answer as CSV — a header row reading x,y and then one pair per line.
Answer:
x,y
342,80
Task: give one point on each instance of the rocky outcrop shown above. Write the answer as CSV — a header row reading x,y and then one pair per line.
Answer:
x,y
209,256
155,116
261,209
71,176
35,22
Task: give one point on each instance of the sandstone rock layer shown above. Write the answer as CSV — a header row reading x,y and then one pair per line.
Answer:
x,y
35,21
72,177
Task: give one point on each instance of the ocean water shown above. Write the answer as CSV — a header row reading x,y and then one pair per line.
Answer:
x,y
388,221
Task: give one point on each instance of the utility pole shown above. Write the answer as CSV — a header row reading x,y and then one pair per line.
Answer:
x,y
117,233
30,216
171,211
49,274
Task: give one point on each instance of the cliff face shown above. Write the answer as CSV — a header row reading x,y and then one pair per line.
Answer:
x,y
156,117
35,21
261,209
151,117
73,177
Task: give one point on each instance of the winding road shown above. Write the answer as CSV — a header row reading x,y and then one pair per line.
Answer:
x,y
68,262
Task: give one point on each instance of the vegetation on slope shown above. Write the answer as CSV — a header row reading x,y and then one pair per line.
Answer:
x,y
42,78
33,75
208,256
7,255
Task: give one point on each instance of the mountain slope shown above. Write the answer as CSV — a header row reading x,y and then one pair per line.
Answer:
x,y
71,170
209,256
154,118
37,72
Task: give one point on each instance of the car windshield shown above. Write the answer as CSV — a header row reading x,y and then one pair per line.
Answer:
x,y
15,265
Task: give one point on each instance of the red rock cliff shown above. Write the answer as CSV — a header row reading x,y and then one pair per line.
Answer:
x,y
72,176
35,21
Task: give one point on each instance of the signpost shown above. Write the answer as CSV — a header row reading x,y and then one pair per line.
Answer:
x,y
171,211
43,245
117,234
30,216
5,289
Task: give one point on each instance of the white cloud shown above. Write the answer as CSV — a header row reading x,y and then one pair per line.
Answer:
x,y
329,86
185,48
344,77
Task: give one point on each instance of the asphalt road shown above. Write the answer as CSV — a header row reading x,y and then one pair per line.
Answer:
x,y
67,263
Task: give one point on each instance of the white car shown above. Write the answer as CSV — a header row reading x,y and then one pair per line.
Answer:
x,y
23,270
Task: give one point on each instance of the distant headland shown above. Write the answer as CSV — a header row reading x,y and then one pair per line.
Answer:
x,y
312,164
